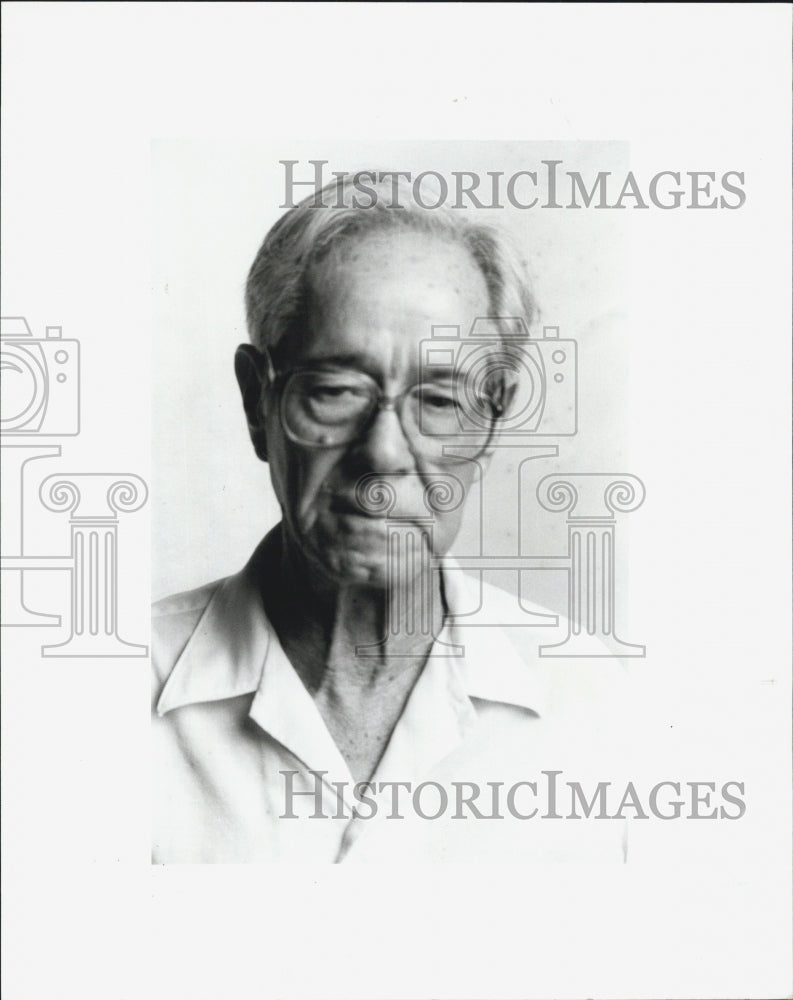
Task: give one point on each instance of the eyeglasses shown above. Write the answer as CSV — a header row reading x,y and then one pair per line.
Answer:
x,y
330,408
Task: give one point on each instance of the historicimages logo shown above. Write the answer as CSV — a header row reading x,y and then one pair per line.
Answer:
x,y
40,403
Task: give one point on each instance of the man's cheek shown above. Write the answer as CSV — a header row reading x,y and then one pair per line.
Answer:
x,y
311,485
446,524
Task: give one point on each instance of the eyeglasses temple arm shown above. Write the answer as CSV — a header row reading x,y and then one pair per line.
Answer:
x,y
269,369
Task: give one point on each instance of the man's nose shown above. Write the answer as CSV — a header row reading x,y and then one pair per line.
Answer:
x,y
384,446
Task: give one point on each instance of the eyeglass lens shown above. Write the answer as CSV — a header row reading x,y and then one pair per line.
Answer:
x,y
332,408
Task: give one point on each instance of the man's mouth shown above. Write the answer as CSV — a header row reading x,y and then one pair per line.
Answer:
x,y
348,506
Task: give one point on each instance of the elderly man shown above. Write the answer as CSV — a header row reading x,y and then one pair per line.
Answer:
x,y
302,705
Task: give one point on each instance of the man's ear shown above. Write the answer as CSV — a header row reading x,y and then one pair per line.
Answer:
x,y
249,369
508,396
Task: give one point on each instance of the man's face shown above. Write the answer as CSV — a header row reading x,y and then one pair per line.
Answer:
x,y
370,312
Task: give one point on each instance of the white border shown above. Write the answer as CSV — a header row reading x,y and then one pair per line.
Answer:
x,y
86,88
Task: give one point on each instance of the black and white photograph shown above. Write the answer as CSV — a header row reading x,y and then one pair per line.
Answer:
x,y
396,497
364,653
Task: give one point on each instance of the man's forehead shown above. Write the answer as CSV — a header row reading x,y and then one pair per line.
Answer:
x,y
404,259
374,308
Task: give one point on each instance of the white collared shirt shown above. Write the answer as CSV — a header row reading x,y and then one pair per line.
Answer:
x,y
245,769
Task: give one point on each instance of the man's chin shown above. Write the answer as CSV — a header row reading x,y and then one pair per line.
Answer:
x,y
353,550
349,567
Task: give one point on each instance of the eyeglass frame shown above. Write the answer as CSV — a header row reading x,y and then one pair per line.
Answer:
x,y
279,378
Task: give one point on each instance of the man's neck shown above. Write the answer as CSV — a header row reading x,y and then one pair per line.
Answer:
x,y
323,626
322,629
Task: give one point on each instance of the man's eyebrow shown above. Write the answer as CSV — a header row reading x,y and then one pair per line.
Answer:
x,y
349,359
363,362
366,362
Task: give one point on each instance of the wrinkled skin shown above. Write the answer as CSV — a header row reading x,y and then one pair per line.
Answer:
x,y
370,311
374,314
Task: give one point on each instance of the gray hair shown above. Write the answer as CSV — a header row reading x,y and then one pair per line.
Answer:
x,y
279,283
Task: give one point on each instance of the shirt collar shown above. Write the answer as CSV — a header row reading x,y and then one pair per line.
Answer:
x,y
226,652
234,646
490,667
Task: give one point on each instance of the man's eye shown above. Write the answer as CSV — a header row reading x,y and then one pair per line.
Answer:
x,y
333,393
438,400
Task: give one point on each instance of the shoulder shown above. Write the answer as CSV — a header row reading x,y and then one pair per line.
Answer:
x,y
173,621
569,683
